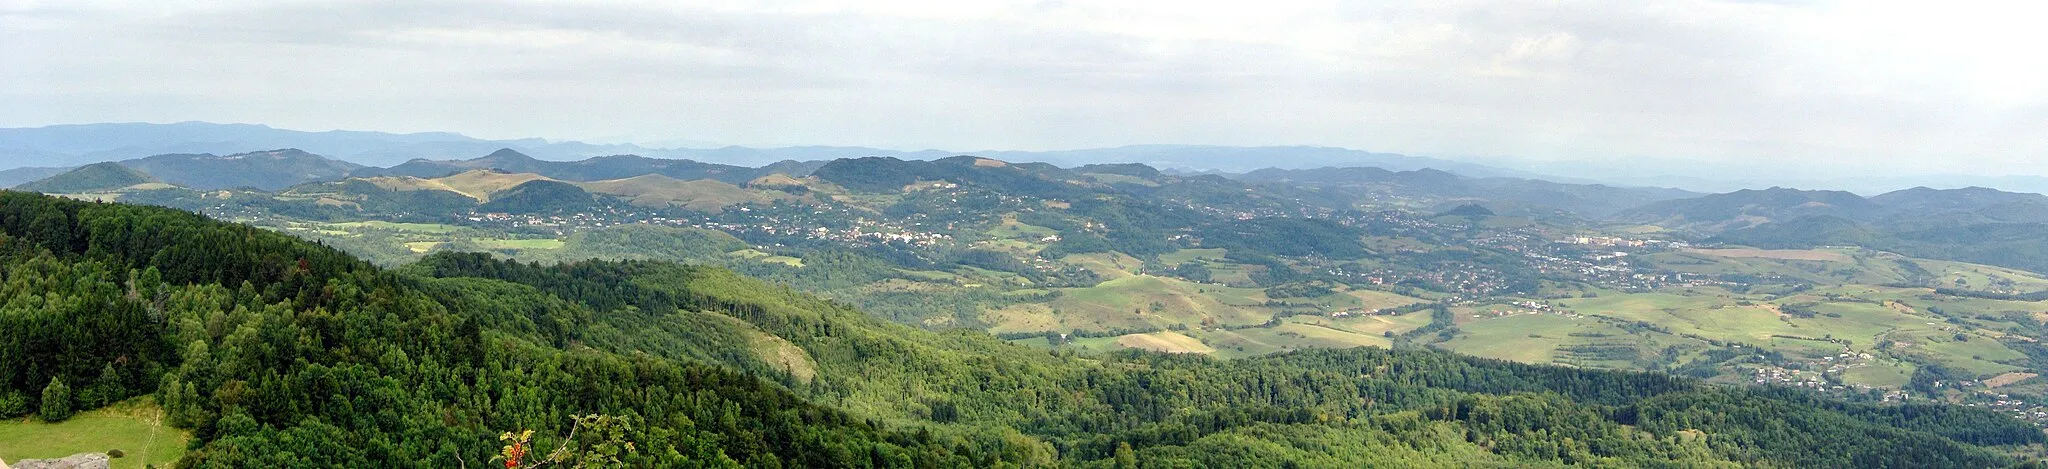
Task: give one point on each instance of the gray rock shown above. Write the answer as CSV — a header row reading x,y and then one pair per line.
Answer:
x,y
76,461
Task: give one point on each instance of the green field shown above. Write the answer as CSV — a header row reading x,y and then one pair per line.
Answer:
x,y
1243,343
784,260
1975,354
428,228
1881,374
1110,266
757,255
544,243
1527,338
1145,301
1183,256
1825,266
1284,337
1369,300
1010,228
127,426
1377,325
1169,342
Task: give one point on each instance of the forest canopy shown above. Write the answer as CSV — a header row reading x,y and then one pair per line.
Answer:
x,y
281,352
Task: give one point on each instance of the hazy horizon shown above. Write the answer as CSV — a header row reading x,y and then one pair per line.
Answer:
x,y
1705,88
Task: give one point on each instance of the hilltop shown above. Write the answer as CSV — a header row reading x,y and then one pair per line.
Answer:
x,y
97,177
267,170
1745,208
592,169
655,190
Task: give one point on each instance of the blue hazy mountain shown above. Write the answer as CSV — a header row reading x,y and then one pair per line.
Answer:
x,y
66,146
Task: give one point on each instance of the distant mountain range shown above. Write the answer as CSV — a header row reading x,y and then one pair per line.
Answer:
x,y
592,169
1593,200
1916,207
267,170
63,146
1973,224
51,149
664,181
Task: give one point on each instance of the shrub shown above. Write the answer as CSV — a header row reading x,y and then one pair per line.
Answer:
x,y
56,402
14,404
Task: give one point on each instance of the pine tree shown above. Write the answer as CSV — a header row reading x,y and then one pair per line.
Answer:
x,y
56,402
13,403
104,390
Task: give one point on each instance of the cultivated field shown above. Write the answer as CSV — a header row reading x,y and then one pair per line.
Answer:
x,y
1784,254
1168,342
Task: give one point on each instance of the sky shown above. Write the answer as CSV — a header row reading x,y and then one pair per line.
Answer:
x,y
1848,87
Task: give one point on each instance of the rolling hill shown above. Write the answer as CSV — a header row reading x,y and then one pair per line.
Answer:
x,y
1586,200
266,170
649,190
328,360
655,190
67,145
592,169
96,177
480,184
1920,201
540,196
1745,208
1972,224
23,175
883,174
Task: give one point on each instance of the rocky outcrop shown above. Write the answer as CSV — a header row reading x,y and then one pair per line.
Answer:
x,y
76,461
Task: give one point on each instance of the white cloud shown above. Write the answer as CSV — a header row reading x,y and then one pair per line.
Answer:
x,y
1852,85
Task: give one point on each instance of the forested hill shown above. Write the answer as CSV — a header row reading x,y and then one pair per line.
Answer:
x,y
280,352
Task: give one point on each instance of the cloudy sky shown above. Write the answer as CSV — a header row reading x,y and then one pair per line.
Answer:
x,y
1864,85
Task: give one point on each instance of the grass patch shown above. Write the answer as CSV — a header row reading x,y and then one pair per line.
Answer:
x,y
1526,338
784,260
1373,325
1185,255
129,426
1108,265
428,228
521,244
1010,228
1169,342
1027,317
1879,374
1146,301
1782,254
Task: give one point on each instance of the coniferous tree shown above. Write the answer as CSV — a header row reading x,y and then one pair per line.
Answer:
x,y
56,406
14,404
104,390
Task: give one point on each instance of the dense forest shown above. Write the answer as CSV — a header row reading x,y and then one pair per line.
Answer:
x,y
280,352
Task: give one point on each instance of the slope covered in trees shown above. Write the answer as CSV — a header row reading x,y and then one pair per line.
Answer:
x,y
267,170
97,177
284,353
280,352
1181,408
